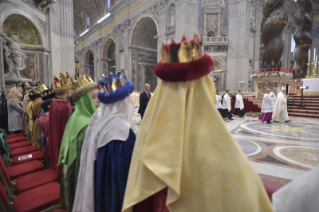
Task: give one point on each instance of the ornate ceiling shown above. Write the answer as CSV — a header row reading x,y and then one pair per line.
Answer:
x,y
83,8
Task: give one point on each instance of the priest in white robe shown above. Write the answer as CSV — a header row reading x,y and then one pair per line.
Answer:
x,y
239,105
219,106
280,113
273,93
267,107
227,106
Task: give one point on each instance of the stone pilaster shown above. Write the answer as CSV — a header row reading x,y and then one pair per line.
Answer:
x,y
238,35
62,38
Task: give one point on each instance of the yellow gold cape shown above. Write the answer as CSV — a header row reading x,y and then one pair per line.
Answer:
x,y
184,145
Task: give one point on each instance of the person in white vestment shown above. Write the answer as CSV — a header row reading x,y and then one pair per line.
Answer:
x,y
239,105
267,107
227,106
280,113
273,93
219,103
300,195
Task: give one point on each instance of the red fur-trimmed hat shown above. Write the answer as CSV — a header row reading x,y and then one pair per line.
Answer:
x,y
184,61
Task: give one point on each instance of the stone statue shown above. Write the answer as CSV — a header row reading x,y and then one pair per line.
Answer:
x,y
172,17
14,57
122,39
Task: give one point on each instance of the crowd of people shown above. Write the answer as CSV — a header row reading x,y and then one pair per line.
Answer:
x,y
273,108
181,160
223,104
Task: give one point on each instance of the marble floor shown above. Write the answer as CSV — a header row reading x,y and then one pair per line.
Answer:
x,y
279,152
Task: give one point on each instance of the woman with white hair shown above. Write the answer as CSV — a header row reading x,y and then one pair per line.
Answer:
x,y
280,113
14,111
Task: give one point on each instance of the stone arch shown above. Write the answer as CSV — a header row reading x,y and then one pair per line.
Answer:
x,y
108,56
211,33
107,45
89,62
140,23
11,10
220,64
88,54
150,77
23,28
143,45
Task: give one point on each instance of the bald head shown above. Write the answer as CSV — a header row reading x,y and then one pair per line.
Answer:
x,y
267,90
147,87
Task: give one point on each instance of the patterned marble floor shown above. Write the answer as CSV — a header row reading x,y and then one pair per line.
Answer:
x,y
279,152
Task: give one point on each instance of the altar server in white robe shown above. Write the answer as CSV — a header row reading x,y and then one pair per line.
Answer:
x,y
219,106
300,195
273,93
239,105
280,113
227,106
267,107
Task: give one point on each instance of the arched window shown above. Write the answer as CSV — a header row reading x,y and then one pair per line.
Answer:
x,y
74,33
293,44
108,4
88,21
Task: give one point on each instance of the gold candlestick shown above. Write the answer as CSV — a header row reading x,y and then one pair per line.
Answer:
x,y
313,74
308,76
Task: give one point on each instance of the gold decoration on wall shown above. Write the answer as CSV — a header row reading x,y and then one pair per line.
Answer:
x,y
22,27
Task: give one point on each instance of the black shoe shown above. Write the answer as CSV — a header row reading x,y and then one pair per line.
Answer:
x,y
268,122
230,118
288,121
276,121
241,116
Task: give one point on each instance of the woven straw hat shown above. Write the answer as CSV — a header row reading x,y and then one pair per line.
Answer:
x,y
61,85
82,85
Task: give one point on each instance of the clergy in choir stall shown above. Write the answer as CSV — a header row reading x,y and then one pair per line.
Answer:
x,y
239,105
219,103
267,107
36,109
86,101
185,159
227,106
300,195
58,117
107,149
280,113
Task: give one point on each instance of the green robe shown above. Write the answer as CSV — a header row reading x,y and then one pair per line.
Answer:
x,y
71,146
70,178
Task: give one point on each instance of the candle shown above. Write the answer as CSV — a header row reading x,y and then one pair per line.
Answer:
x,y
316,60
314,54
309,56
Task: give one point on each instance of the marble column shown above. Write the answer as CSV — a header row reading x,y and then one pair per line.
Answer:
x,y
238,51
62,38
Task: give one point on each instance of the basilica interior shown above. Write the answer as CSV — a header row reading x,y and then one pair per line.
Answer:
x,y
255,44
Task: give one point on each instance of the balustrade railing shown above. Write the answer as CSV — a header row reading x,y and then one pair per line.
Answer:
x,y
215,39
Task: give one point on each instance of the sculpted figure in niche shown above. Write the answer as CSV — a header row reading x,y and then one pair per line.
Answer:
x,y
171,22
14,56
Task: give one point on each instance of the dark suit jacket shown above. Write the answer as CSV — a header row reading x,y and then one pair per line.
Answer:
x,y
143,102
